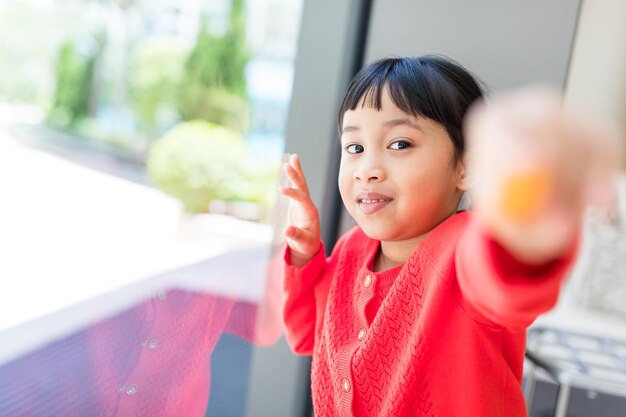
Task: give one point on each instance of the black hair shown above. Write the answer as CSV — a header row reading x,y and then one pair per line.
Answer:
x,y
430,86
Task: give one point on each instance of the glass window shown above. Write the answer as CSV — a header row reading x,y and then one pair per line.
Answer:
x,y
140,147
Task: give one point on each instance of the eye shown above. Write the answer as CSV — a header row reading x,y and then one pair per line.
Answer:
x,y
400,144
354,148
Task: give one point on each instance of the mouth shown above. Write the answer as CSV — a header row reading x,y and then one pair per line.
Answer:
x,y
370,203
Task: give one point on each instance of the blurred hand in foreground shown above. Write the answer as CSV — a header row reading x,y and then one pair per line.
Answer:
x,y
534,166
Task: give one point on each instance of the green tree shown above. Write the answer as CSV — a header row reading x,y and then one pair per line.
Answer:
x,y
235,54
214,86
74,79
155,75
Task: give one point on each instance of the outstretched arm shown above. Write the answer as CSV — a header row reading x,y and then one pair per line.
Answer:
x,y
535,166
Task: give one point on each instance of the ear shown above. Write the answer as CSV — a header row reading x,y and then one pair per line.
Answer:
x,y
463,179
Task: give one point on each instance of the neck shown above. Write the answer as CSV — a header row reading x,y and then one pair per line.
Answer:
x,y
392,254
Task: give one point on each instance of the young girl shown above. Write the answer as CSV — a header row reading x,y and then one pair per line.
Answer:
x,y
422,310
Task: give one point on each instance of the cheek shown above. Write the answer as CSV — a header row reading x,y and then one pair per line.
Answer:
x,y
427,185
344,181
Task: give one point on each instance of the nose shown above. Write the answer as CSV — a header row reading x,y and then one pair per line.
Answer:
x,y
369,170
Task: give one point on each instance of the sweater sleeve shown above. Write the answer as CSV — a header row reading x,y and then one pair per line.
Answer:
x,y
501,290
303,300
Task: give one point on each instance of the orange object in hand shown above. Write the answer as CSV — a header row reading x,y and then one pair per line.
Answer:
x,y
525,195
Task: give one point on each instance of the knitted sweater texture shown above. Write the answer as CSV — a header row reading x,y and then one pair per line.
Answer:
x,y
443,335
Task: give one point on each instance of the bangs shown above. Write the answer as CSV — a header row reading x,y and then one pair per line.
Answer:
x,y
366,90
409,86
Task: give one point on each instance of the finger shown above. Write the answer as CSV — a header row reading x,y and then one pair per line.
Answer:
x,y
600,188
300,239
295,164
291,232
283,181
295,194
594,161
294,169
295,178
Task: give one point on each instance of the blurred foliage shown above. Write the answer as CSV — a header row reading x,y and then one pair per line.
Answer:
x,y
198,162
156,73
122,109
214,85
257,182
219,61
27,61
167,80
74,71
214,105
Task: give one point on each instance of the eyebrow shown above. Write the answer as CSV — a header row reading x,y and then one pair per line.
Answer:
x,y
389,123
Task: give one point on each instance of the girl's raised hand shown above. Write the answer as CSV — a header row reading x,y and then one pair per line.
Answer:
x,y
303,226
534,166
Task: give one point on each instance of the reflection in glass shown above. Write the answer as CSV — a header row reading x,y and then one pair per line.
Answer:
x,y
130,135
155,357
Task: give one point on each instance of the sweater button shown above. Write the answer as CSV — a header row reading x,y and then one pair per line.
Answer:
x,y
368,281
153,344
131,389
361,334
345,384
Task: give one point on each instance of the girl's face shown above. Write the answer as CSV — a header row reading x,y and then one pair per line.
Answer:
x,y
397,177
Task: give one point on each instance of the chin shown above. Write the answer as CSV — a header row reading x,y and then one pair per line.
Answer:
x,y
376,232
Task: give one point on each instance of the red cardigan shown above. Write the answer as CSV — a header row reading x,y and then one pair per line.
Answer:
x,y
444,338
